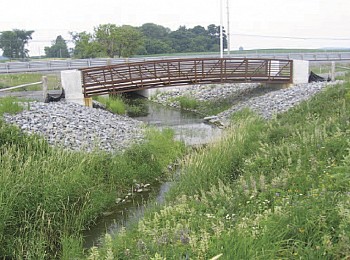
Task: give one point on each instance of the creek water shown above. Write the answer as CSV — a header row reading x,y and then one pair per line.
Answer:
x,y
189,128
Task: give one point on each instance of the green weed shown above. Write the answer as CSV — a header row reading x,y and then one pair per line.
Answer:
x,y
48,195
121,105
114,104
269,190
187,102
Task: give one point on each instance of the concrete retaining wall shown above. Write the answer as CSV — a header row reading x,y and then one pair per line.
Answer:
x,y
300,71
71,83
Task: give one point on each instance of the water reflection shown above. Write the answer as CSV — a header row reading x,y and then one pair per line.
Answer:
x,y
188,126
124,214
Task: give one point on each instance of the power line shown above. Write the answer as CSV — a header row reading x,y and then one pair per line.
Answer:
x,y
292,37
250,35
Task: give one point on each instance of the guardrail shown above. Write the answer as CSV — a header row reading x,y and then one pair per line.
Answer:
x,y
58,65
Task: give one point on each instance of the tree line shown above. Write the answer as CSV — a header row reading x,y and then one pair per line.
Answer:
x,y
110,40
13,43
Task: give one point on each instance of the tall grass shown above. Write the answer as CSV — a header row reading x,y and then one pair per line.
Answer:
x,y
48,196
10,105
114,104
187,103
268,190
121,105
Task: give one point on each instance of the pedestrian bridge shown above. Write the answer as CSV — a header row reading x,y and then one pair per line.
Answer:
x,y
135,76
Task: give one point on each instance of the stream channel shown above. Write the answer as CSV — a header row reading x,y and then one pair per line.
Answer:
x,y
189,128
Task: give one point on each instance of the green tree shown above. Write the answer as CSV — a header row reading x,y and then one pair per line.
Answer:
x,y
130,41
13,43
155,31
214,33
156,38
58,49
202,41
197,39
182,39
199,30
122,41
155,46
86,46
107,36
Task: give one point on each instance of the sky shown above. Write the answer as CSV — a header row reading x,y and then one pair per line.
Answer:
x,y
254,24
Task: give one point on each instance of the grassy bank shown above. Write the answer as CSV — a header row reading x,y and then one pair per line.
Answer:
x,y
268,190
48,196
12,80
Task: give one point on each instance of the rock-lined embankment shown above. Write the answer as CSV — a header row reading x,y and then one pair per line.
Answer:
x,y
77,127
265,101
205,93
279,101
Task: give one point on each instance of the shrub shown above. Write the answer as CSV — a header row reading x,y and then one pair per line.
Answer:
x,y
187,102
114,104
275,189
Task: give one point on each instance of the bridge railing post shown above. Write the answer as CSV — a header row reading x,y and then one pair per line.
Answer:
x,y
333,71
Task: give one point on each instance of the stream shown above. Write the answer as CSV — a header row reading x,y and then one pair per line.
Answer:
x,y
189,128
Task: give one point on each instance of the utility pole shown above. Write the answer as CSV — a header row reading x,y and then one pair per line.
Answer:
x,y
228,29
221,32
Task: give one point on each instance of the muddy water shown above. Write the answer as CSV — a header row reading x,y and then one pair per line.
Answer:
x,y
189,128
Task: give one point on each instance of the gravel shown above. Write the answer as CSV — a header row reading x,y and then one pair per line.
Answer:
x,y
76,127
278,101
203,93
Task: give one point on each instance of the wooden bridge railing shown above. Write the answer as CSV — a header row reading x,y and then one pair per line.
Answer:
x,y
135,76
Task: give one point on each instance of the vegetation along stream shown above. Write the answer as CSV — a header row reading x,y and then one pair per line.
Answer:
x,y
265,189
189,128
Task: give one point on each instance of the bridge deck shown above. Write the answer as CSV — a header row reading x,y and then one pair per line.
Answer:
x,y
135,76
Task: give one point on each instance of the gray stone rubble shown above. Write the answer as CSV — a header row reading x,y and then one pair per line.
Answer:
x,y
76,127
203,92
265,101
278,101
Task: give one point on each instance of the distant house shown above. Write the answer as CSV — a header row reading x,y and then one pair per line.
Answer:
x,y
3,58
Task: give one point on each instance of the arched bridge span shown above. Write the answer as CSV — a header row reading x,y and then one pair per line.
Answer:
x,y
136,76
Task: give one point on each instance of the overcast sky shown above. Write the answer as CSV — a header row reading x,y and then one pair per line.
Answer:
x,y
253,23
